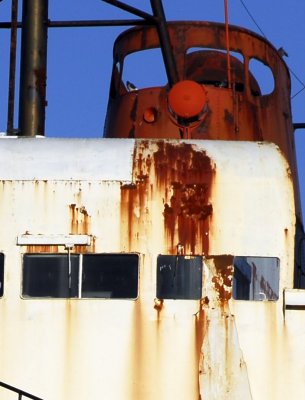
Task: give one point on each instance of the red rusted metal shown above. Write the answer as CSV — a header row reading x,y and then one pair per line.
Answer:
x,y
240,112
227,42
223,277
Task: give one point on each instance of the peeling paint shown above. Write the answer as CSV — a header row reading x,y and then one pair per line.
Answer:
x,y
157,349
223,277
181,177
223,372
80,225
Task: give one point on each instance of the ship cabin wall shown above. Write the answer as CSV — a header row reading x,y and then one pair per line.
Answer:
x,y
166,206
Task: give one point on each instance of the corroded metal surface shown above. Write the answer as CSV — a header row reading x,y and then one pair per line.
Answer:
x,y
186,197
221,350
252,116
242,112
32,96
179,178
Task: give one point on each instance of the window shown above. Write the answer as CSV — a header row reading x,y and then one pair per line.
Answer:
x,y
48,275
263,76
110,275
1,273
80,275
209,66
144,77
179,277
256,278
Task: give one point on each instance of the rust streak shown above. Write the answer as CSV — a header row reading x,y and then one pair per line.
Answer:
x,y
80,225
74,221
42,249
185,177
201,327
223,277
158,306
181,177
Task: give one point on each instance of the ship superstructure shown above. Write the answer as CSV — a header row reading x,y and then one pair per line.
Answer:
x,y
165,260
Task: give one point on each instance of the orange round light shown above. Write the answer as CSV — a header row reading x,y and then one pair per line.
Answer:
x,y
187,99
150,115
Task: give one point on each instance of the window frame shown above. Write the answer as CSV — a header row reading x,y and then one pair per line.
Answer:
x,y
80,257
195,293
2,264
261,296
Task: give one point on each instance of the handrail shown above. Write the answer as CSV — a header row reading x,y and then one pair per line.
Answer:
x,y
19,391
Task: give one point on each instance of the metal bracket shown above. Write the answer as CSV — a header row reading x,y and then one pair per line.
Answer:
x,y
52,240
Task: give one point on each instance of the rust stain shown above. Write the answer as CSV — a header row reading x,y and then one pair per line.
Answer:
x,y
228,117
223,277
158,306
182,177
138,349
133,117
80,220
85,221
133,112
42,249
129,198
134,198
185,175
201,323
80,225
131,133
40,81
250,111
178,178
74,221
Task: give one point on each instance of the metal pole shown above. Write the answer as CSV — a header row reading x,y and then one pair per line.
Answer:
x,y
167,51
130,9
12,70
299,125
86,23
228,44
19,391
33,66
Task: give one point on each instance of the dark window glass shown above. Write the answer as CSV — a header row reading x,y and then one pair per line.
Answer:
x,y
110,276
256,278
49,275
1,273
179,277
102,275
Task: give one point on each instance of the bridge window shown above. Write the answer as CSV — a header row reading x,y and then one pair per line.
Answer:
x,y
256,278
179,277
262,75
135,77
1,274
110,276
210,67
80,276
48,275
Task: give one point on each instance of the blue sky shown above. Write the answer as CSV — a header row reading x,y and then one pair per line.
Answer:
x,y
79,60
